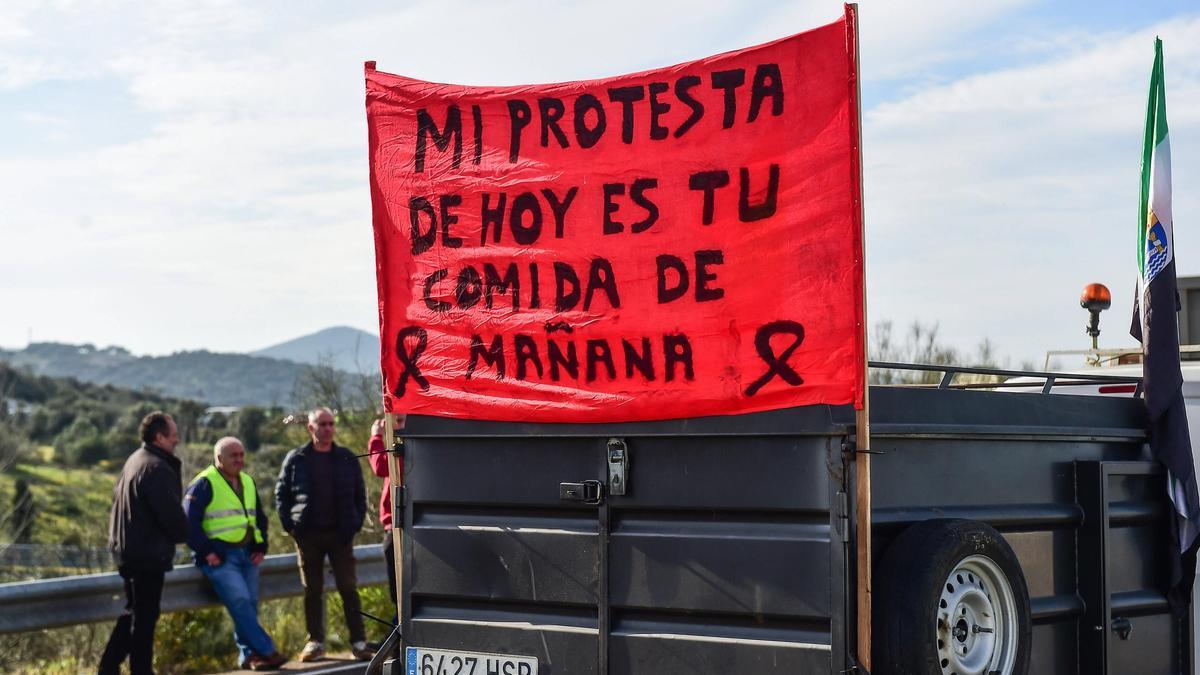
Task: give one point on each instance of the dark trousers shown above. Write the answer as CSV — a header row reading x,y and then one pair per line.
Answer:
x,y
389,558
133,636
313,548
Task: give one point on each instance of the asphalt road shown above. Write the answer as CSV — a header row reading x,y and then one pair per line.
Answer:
x,y
338,664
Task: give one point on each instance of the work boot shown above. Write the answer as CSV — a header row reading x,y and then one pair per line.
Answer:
x,y
362,651
272,662
253,662
312,651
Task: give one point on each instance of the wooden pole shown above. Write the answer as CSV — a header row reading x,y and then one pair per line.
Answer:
x,y
395,472
862,460
862,501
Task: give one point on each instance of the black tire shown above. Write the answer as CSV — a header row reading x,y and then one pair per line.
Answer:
x,y
910,634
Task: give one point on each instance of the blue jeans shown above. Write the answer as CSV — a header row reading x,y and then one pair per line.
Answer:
x,y
236,583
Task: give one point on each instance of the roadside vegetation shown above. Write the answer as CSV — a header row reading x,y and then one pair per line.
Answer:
x,y
62,444
920,344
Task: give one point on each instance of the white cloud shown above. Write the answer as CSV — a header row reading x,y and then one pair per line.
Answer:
x,y
249,197
899,39
243,201
40,41
998,197
17,72
13,18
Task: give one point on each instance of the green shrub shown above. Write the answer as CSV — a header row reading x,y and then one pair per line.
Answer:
x,y
199,641
82,444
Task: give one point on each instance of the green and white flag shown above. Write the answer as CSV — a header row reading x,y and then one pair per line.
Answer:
x,y
1156,242
1156,326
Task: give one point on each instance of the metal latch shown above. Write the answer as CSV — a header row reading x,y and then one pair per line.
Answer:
x,y
618,467
1122,627
588,492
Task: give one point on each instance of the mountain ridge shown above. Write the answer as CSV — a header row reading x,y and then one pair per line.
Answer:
x,y
346,348
265,377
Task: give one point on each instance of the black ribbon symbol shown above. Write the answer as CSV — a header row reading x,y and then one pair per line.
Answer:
x,y
409,358
777,365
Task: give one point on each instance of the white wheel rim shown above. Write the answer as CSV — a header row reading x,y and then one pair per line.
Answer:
x,y
976,620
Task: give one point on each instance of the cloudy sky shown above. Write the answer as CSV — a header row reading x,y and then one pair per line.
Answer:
x,y
185,175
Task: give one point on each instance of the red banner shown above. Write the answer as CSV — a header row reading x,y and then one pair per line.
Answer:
x,y
673,243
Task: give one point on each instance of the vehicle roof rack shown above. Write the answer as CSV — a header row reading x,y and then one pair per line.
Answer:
x,y
1098,357
1049,380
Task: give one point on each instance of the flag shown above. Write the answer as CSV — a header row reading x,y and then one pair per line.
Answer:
x,y
1155,325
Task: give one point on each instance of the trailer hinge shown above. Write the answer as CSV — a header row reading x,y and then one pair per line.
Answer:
x,y
398,495
398,504
843,516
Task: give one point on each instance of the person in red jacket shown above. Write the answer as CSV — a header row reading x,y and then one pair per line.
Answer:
x,y
379,464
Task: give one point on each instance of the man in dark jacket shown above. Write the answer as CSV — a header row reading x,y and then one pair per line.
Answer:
x,y
146,522
322,500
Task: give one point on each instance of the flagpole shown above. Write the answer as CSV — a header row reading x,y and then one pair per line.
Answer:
x,y
862,421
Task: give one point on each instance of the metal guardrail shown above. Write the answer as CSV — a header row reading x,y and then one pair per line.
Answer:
x,y
68,601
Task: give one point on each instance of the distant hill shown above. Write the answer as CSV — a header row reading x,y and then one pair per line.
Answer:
x,y
343,347
218,379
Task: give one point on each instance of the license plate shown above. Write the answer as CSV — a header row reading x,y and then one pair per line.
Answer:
x,y
424,661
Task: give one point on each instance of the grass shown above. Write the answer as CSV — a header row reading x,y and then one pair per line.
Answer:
x,y
71,505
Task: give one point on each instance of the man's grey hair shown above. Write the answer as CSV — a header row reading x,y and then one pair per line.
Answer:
x,y
224,444
312,415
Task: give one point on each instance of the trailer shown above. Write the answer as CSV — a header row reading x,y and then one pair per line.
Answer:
x,y
1012,533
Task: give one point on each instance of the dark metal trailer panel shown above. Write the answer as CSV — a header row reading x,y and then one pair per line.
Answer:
x,y
725,553
1069,482
731,549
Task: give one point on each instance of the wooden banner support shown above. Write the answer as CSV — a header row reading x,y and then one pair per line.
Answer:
x,y
862,505
862,461
394,471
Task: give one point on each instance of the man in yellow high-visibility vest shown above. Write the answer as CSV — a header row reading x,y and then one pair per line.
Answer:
x,y
227,532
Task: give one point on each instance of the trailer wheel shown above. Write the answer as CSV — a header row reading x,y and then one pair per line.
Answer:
x,y
950,599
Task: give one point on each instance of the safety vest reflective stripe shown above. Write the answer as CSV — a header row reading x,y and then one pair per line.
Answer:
x,y
240,527
227,518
